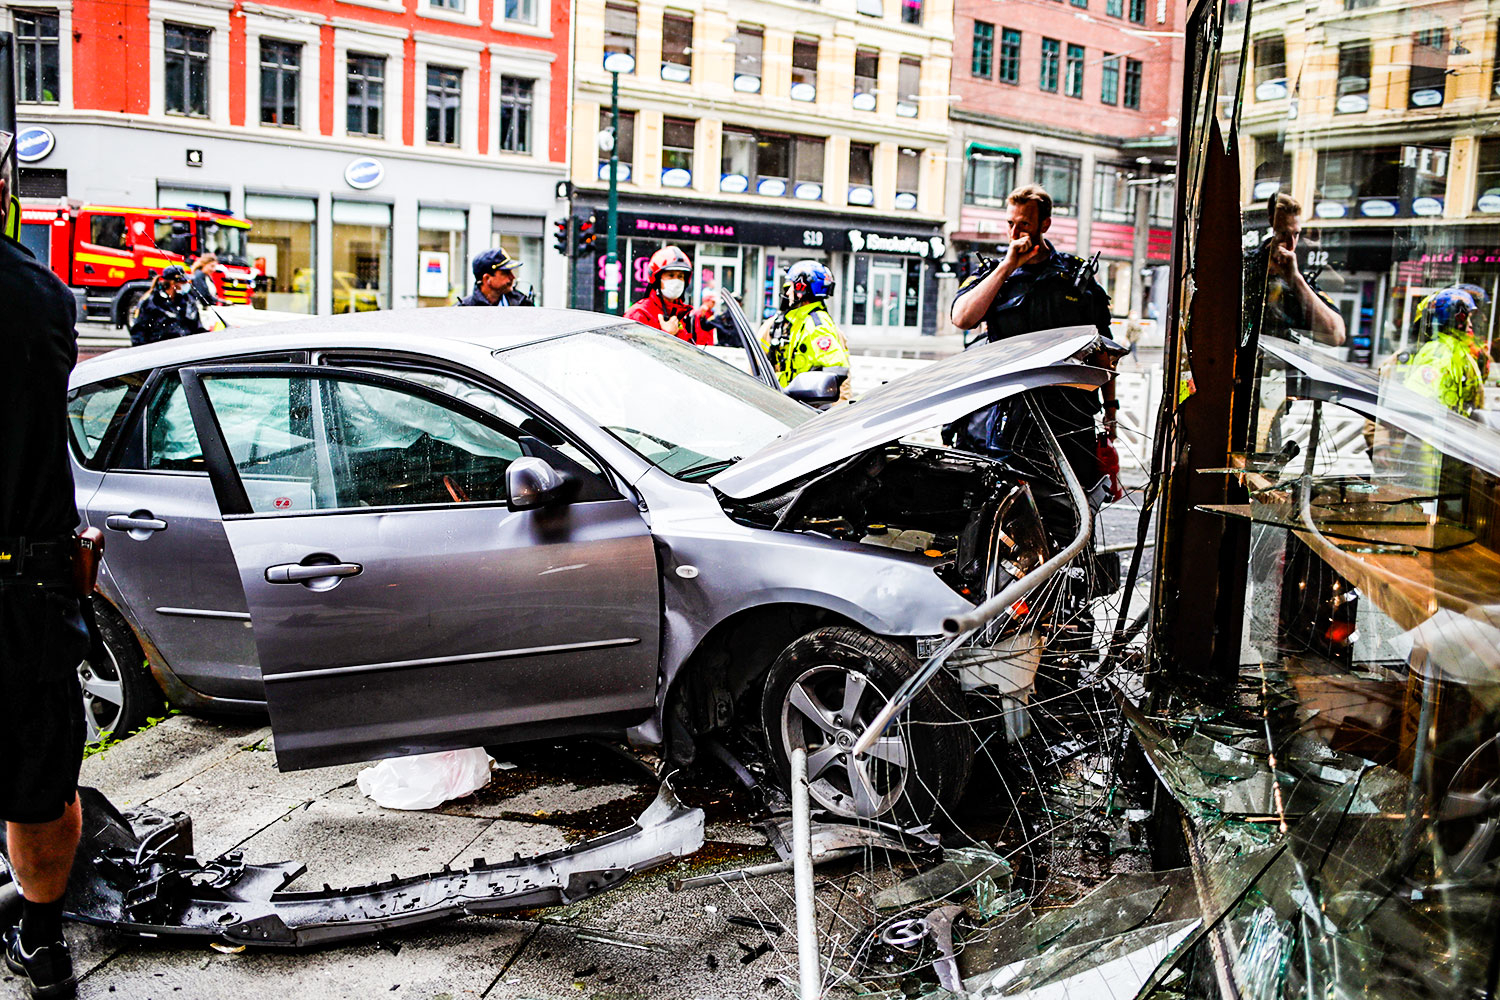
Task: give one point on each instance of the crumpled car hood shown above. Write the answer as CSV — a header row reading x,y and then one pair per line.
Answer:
x,y
942,392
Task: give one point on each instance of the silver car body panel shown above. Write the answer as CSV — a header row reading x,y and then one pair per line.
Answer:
x,y
936,394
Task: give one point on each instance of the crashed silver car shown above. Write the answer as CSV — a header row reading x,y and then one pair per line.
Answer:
x,y
411,531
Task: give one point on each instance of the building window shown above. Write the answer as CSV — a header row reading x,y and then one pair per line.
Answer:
x,y
677,152
1133,84
1138,11
516,103
1010,55
1272,174
288,226
983,62
866,70
911,11
1073,84
280,82
1114,8
1429,69
807,168
1487,177
771,164
520,11
619,29
457,6
1358,4
442,255
36,56
804,69
1354,78
749,49
990,178
624,144
1109,79
1059,175
677,48
444,90
1270,68
861,173
1051,50
1080,3
361,256
185,66
366,95
1163,202
908,178
1112,198
908,87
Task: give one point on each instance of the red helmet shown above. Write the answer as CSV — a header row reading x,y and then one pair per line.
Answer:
x,y
668,259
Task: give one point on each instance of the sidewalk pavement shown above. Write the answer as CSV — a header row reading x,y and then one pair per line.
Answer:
x,y
639,940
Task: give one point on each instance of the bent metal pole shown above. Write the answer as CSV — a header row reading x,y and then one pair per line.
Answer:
x,y
808,972
961,627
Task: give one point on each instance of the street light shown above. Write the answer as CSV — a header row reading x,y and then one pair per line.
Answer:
x,y
614,64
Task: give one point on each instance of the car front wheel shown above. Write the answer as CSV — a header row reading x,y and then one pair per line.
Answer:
x,y
820,695
119,694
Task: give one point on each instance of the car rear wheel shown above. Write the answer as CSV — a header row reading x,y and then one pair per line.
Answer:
x,y
119,693
821,693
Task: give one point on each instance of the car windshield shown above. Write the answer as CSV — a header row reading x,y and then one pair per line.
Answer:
x,y
225,242
684,411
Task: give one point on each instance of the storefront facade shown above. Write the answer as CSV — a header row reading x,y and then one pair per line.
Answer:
x,y
886,270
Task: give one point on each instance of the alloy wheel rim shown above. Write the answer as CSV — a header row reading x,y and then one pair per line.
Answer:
x,y
824,711
103,694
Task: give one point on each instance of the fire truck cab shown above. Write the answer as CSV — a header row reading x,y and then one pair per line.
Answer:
x,y
108,254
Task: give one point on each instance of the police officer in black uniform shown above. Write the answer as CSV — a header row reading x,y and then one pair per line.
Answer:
x,y
167,311
42,633
1036,287
495,281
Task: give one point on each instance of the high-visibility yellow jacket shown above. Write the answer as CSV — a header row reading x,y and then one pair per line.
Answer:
x,y
804,340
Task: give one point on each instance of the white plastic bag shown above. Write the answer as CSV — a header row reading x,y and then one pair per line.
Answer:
x,y
427,780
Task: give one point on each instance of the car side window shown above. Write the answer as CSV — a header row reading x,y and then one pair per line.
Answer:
x,y
483,398
94,410
170,441
304,443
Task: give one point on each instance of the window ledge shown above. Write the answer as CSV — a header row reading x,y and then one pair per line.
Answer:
x,y
519,27
394,6
444,14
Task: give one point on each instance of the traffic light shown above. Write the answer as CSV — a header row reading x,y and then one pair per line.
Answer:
x,y
588,236
562,239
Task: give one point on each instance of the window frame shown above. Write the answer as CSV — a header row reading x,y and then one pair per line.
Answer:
x,y
444,91
866,53
39,44
909,68
1074,167
982,60
288,81
616,40
674,152
522,111
680,55
743,57
801,73
1009,68
1130,89
1051,60
997,194
186,57
1109,79
1073,72
364,100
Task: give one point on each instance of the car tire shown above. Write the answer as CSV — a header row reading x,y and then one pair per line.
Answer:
x,y
127,308
119,693
806,703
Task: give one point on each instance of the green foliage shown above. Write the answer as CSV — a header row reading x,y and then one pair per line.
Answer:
x,y
107,738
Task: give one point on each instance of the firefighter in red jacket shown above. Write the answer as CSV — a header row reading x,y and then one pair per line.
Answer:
x,y
666,306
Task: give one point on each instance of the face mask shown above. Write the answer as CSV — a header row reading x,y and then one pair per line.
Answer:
x,y
672,288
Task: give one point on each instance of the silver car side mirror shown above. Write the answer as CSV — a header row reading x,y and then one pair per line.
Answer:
x,y
816,387
531,483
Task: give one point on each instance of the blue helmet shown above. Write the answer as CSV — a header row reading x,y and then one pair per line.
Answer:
x,y
1479,295
1448,309
808,279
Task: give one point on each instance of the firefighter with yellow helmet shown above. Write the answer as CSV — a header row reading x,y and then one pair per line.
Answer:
x,y
802,337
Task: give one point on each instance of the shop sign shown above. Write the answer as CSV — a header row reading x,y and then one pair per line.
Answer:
x,y
1427,206
1489,204
34,143
432,274
1469,255
1377,209
364,173
915,246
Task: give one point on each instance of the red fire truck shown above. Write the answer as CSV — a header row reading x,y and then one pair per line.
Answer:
x,y
108,254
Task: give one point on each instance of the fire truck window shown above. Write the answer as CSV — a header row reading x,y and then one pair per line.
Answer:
x,y
107,231
174,235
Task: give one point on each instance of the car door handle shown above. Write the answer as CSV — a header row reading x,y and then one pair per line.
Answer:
x,y
298,573
130,522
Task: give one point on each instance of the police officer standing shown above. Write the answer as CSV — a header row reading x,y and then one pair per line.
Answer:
x,y
42,633
1036,287
167,311
495,281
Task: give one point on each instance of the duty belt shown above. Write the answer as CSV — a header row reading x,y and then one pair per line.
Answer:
x,y
36,562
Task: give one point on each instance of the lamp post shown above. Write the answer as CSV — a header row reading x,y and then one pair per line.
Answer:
x,y
615,63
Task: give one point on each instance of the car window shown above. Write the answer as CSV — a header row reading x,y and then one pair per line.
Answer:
x,y
94,409
171,442
361,445
486,399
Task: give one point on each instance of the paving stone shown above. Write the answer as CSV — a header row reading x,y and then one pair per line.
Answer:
x,y
224,817
165,756
458,959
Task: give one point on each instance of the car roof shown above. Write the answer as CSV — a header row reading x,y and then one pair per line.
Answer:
x,y
397,329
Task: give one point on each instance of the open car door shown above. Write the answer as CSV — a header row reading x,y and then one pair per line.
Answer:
x,y
401,602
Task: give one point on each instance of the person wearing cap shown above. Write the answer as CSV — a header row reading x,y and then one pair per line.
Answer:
x,y
495,281
166,311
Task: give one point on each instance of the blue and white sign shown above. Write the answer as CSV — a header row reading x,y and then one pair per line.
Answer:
x,y
1378,208
364,173
34,143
